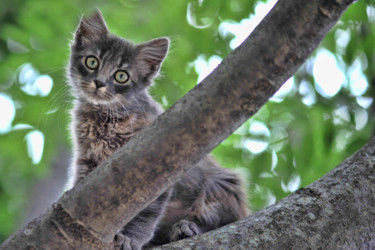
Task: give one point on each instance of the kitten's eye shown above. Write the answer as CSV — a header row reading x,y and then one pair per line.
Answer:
x,y
92,62
121,76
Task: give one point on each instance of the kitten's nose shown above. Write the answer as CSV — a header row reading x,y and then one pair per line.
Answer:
x,y
99,83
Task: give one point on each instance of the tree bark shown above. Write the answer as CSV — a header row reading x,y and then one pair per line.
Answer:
x,y
88,216
335,212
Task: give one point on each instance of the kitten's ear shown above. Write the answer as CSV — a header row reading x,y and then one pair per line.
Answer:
x,y
90,29
151,54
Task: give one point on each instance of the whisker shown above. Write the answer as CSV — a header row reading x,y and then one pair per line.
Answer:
x,y
55,98
110,111
55,104
116,115
127,112
64,106
53,69
141,109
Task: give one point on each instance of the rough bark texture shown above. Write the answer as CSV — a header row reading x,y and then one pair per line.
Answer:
x,y
335,212
89,215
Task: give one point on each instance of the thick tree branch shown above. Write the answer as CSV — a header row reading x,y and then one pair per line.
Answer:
x,y
91,213
335,212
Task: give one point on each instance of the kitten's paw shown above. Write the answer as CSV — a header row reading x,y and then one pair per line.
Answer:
x,y
184,229
123,242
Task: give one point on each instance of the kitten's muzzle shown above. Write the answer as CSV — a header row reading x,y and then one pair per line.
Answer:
x,y
99,83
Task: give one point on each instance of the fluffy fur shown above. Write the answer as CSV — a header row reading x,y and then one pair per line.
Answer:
x,y
107,113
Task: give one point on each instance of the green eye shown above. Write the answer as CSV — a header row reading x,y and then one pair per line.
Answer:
x,y
92,62
121,76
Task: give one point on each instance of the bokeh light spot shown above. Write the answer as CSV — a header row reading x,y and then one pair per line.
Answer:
x,y
293,183
244,28
43,85
328,77
16,47
7,113
204,67
283,91
35,145
32,83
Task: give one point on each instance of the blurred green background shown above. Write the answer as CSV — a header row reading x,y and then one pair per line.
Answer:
x,y
321,115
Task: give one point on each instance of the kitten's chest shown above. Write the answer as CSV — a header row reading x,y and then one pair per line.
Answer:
x,y
99,138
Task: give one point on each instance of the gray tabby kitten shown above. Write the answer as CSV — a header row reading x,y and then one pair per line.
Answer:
x,y
109,77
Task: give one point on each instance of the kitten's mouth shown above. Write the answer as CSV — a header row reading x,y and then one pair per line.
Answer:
x,y
97,96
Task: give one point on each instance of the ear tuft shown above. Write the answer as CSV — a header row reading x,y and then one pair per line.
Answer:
x,y
152,54
90,28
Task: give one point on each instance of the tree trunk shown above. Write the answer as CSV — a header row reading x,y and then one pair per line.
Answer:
x,y
335,212
88,216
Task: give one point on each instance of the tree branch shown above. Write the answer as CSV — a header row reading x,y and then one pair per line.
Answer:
x,y
91,213
335,212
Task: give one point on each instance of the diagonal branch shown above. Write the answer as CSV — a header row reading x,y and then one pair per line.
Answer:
x,y
93,211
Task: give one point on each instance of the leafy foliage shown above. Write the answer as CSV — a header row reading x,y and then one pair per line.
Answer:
x,y
302,134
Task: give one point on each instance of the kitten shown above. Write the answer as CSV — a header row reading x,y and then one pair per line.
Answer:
x,y
109,77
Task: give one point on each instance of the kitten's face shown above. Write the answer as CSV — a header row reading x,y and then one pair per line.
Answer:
x,y
105,69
